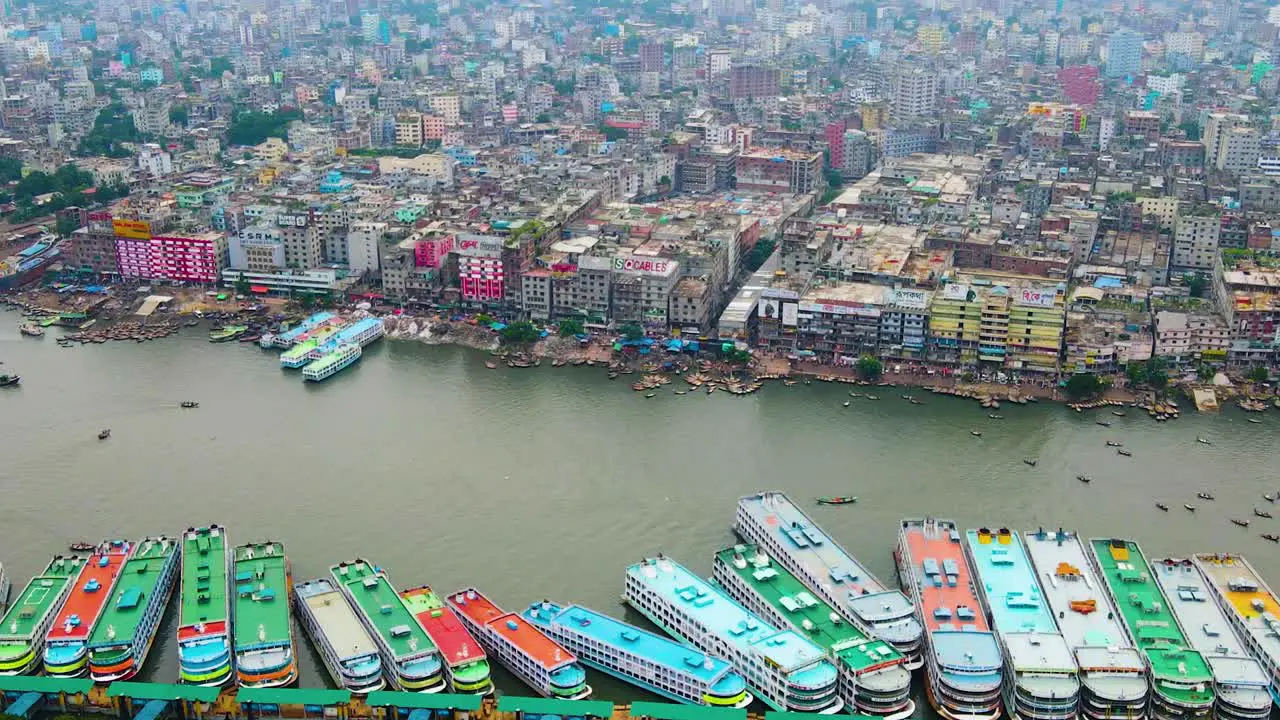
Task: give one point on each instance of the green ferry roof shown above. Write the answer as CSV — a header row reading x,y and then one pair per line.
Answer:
x,y
204,576
128,604
672,711
260,578
552,706
423,701
44,684
292,696
162,691
776,586
37,600
1176,668
382,607
299,351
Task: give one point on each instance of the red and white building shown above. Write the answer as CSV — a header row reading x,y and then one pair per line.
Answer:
x,y
197,259
480,268
432,251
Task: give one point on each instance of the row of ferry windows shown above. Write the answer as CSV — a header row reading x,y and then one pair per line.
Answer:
x,y
680,685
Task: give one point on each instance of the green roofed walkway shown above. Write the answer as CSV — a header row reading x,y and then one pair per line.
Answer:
x,y
671,711
48,685
547,706
293,696
160,691
424,701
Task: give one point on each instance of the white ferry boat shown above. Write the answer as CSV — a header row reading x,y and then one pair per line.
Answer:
x,y
784,670
1250,605
873,675
542,663
1040,681
1242,688
361,332
772,521
331,364
1113,676
665,667
348,652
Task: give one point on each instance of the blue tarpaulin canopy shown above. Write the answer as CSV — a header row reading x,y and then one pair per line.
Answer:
x,y
497,326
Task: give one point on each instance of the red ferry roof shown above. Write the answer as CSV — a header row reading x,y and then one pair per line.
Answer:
x,y
218,627
88,605
456,645
930,597
524,636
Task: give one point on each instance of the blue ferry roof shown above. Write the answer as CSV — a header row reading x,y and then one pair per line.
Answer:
x,y
1012,591
308,324
721,615
614,633
808,544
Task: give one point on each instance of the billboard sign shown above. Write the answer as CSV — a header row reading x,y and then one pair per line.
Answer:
x,y
641,266
955,291
1037,297
831,309
292,220
789,314
914,299
479,245
770,308
136,229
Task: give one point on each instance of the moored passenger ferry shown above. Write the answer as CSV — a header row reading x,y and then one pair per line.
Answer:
x,y
1242,689
542,663
1040,670
963,663
772,521
66,649
23,629
413,663
121,640
665,667
873,675
1113,676
464,659
265,652
783,669
1250,605
1181,681
348,652
204,621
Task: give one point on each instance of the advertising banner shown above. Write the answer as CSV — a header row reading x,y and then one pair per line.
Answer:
x,y
136,229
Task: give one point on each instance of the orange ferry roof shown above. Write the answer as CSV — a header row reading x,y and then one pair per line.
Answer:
x,y
930,596
86,604
539,647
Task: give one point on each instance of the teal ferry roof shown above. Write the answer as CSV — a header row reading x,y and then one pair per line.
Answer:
x,y
723,617
610,632
1010,585
307,325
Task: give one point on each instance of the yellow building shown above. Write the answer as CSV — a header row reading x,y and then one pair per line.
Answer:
x,y
1011,322
931,37
272,150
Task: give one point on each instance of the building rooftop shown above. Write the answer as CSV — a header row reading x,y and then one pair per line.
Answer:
x,y
261,576
512,627
37,600
336,618
381,606
456,645
1248,596
89,595
138,582
723,617
1073,592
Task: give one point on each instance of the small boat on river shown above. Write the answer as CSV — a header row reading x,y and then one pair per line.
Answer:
x,y
838,500
1202,441
104,434
1030,461
1272,538
1124,452
1205,496
1084,479
1190,508
1113,443
1261,513
975,433
1241,523
190,404
1163,507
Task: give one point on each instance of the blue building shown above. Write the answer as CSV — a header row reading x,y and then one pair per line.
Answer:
x,y
1124,54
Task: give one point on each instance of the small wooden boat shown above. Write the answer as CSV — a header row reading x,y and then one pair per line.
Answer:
x,y
82,547
1030,461
491,365
613,376
1272,538
1255,421
1202,441
1118,413
1190,508
190,404
1268,498
1124,452
31,330
993,416
681,392
1163,507
1261,513
916,402
1241,523
1205,496
873,397
846,403
1084,479
975,433
838,500
1103,423
104,434
649,395
1113,443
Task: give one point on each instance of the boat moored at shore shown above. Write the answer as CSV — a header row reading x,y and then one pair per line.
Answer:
x,y
542,663
66,643
1242,689
413,664
332,363
122,638
1250,606
23,629
464,660
775,523
662,666
204,622
265,651
782,669
1181,681
963,664
873,675
1113,675
346,648
1040,680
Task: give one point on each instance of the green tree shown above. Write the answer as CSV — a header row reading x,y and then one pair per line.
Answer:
x,y
1258,375
1205,372
519,333
542,118
1191,129
10,169
869,367
1156,376
484,319
1136,373
68,224
738,357
242,286
834,179
570,327
665,180
759,253
612,133
1084,385
251,128
217,66
178,115
1196,284
632,332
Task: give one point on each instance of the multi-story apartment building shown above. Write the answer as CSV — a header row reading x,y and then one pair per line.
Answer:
x,y
1195,240
780,170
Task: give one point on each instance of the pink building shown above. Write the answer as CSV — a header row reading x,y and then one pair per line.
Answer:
x,y
1080,84
198,259
133,257
431,252
480,268
432,127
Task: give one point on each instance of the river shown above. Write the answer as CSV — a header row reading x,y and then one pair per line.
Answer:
x,y
547,482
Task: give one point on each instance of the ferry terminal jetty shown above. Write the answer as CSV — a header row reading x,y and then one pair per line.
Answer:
x,y
1035,624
